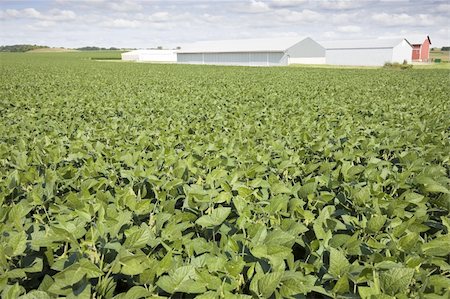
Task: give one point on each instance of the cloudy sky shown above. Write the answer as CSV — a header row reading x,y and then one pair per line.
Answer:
x,y
169,23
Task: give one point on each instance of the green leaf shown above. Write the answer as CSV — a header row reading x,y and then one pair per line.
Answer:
x,y
135,292
167,283
216,263
75,273
367,292
307,189
268,283
279,188
396,280
181,280
210,281
407,242
217,217
338,263
235,266
376,223
260,235
208,295
132,265
12,292
413,197
18,241
295,283
437,247
432,186
35,295
439,282
81,290
279,237
259,251
46,283
91,270
244,191
138,238
191,287
342,285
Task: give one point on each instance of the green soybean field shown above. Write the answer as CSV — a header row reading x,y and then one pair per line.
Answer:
x,y
135,180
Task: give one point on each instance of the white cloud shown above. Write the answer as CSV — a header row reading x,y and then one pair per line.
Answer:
x,y
60,15
443,8
121,23
403,19
171,20
303,16
329,35
43,24
343,18
393,19
349,29
253,6
287,3
31,13
341,4
210,18
162,16
12,12
113,5
81,1
258,6
125,6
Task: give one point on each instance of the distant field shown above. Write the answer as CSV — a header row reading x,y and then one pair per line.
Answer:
x,y
443,55
51,50
63,55
329,66
130,180
342,67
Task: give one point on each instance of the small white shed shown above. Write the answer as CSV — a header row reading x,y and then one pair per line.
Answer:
x,y
367,52
167,56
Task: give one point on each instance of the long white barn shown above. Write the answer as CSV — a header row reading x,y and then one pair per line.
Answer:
x,y
367,52
254,52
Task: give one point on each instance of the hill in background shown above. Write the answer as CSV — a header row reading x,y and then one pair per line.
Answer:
x,y
37,48
52,50
21,48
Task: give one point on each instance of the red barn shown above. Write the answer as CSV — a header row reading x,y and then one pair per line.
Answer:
x,y
421,49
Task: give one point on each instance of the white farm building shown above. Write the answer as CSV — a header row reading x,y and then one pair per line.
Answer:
x,y
368,52
254,52
162,56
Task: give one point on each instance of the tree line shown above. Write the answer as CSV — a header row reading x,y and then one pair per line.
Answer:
x,y
20,48
25,48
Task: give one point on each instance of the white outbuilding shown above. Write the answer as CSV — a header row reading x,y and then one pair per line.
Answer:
x,y
367,52
161,56
254,52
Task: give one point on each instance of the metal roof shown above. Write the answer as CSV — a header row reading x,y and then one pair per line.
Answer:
x,y
362,43
242,45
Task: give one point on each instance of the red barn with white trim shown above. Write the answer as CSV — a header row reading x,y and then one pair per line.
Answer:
x,y
421,49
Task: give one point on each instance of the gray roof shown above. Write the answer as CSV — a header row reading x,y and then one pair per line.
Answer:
x,y
362,43
242,45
